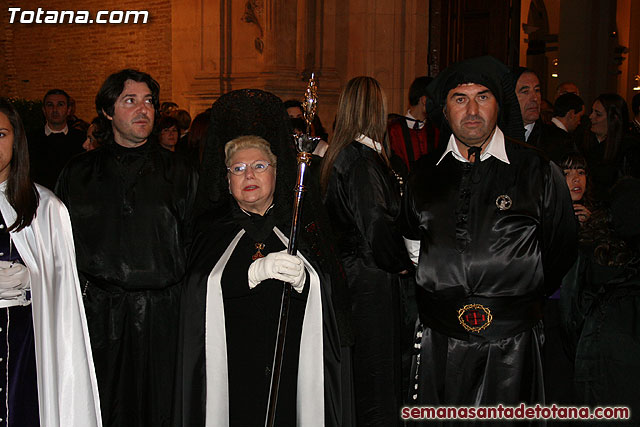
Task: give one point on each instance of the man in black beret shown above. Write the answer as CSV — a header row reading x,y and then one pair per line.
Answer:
x,y
492,224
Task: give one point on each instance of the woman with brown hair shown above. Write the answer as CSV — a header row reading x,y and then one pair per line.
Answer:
x,y
168,133
611,151
363,197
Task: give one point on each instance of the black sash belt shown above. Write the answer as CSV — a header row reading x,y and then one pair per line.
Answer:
x,y
479,318
87,281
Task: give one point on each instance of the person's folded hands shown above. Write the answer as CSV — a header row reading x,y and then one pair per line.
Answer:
x,y
279,266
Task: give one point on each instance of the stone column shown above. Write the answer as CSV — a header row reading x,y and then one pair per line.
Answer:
x,y
266,44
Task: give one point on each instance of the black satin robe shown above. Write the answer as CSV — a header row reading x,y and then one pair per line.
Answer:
x,y
251,327
130,212
473,252
363,202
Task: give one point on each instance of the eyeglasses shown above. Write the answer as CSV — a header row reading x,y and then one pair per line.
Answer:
x,y
258,166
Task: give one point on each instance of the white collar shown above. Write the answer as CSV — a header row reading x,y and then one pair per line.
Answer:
x,y
559,124
374,145
495,148
411,122
48,131
528,129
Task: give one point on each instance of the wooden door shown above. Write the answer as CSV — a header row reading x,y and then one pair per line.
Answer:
x,y
461,29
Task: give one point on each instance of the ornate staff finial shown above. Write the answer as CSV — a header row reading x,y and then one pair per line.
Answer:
x,y
310,102
307,143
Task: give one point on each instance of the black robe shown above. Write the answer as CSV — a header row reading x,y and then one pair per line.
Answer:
x,y
600,308
474,252
130,210
363,202
250,328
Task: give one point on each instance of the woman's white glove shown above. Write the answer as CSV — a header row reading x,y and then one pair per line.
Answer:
x,y
279,266
13,278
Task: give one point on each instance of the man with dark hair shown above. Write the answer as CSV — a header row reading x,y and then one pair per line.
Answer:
x,y
567,111
55,143
559,139
413,135
530,99
491,228
130,203
635,108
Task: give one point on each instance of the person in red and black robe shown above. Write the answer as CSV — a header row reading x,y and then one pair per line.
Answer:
x,y
413,135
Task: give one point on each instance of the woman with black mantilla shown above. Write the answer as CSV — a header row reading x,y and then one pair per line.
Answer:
x,y
230,303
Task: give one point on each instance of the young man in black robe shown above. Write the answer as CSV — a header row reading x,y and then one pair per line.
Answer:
x,y
129,202
494,228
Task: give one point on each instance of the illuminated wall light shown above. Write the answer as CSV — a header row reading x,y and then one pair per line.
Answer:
x,y
554,73
637,79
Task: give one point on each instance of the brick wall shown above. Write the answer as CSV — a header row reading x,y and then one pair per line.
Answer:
x,y
78,57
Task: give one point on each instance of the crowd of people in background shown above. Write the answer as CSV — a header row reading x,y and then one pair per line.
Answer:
x,y
481,248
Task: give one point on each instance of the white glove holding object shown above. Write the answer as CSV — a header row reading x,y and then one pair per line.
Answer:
x,y
279,266
13,278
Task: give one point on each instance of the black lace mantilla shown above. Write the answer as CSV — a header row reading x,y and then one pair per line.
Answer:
x,y
246,112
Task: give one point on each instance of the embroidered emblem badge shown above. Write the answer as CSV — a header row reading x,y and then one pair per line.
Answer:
x,y
258,254
474,317
504,202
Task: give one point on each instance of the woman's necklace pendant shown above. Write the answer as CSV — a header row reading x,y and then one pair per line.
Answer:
x,y
258,254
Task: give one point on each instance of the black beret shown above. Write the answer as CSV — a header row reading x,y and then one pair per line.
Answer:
x,y
484,70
